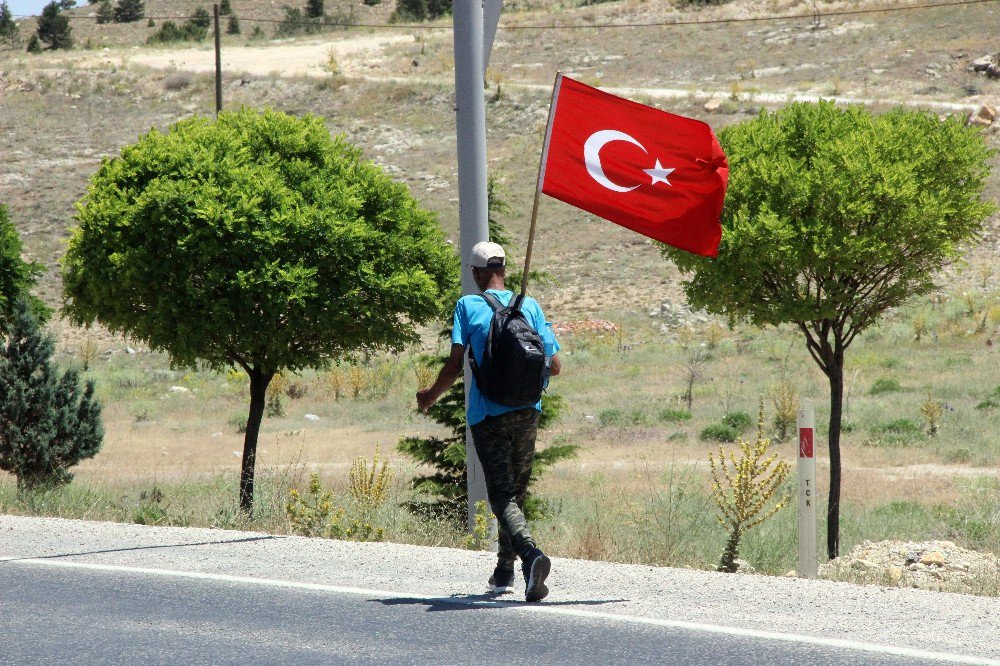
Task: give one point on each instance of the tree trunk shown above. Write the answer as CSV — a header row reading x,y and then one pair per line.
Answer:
x,y
836,376
258,393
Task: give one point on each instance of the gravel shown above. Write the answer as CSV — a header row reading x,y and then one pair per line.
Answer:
x,y
916,619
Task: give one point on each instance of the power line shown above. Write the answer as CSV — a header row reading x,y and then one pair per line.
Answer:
x,y
590,26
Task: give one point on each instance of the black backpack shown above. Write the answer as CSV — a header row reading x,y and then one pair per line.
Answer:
x,y
513,371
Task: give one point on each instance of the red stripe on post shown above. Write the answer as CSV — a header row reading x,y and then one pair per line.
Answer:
x,y
805,442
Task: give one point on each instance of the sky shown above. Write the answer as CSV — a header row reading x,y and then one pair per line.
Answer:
x,y
30,7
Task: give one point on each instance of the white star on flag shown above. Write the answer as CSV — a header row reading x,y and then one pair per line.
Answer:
x,y
659,174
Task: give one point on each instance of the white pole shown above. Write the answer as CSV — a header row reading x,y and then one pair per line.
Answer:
x,y
470,117
807,492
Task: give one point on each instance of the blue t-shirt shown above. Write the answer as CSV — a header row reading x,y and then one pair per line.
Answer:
x,y
472,325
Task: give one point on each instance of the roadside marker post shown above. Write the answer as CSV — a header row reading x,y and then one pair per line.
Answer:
x,y
807,492
218,62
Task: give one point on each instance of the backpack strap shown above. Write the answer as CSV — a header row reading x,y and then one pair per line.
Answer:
x,y
492,301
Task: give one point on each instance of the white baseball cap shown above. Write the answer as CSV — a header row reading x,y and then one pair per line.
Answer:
x,y
487,255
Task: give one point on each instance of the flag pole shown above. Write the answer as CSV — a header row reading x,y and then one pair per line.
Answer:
x,y
538,185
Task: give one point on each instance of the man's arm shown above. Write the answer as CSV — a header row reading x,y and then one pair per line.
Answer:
x,y
449,374
555,365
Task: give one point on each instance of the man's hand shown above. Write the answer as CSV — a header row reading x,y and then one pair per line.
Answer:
x,y
425,399
451,371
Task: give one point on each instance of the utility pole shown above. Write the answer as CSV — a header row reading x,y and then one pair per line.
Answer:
x,y
470,116
218,63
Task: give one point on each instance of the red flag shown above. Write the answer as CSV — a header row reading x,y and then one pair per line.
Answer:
x,y
656,173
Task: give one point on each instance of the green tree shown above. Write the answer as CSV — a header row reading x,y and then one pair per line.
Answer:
x,y
256,241
233,28
127,11
53,28
444,492
105,12
225,7
201,19
314,8
421,10
832,217
17,276
47,423
9,32
34,46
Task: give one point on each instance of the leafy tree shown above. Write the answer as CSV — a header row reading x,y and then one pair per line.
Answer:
x,y
201,19
421,10
16,275
445,491
314,8
105,12
127,11
832,217
233,28
9,32
53,28
195,29
47,424
257,241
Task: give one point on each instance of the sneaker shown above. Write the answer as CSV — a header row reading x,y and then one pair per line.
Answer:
x,y
502,581
535,566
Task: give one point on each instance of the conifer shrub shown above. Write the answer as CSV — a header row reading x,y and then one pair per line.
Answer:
x,y
127,11
48,421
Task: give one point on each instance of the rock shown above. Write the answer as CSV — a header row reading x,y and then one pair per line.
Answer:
x,y
311,417
982,64
894,574
993,71
713,105
934,558
179,389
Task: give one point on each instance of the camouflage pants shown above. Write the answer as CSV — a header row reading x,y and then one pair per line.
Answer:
x,y
506,447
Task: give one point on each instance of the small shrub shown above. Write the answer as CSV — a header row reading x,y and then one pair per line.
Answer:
x,y
617,418
959,456
786,407
238,422
480,539
370,487
421,10
718,432
932,411
669,415
679,436
313,514
885,385
992,401
738,421
753,483
233,27
257,34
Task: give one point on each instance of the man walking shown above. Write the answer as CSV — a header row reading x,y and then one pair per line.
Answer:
x,y
503,435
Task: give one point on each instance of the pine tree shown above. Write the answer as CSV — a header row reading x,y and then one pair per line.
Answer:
x,y
314,8
34,46
225,7
8,28
127,11
105,12
234,26
53,28
47,424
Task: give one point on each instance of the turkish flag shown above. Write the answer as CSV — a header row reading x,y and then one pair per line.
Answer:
x,y
654,172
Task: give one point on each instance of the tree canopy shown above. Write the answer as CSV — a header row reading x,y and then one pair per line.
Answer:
x,y
53,27
17,276
256,240
832,217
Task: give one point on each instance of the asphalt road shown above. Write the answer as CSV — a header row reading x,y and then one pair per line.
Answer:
x,y
54,615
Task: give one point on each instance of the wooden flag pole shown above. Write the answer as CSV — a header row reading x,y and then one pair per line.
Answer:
x,y
538,185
